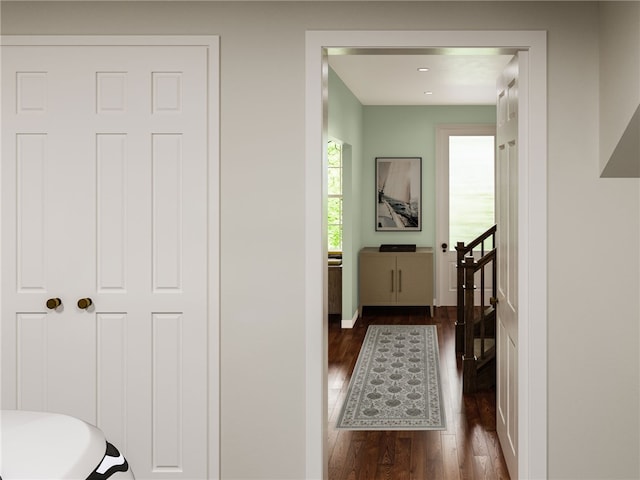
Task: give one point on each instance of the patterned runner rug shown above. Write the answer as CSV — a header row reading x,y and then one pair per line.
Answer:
x,y
396,381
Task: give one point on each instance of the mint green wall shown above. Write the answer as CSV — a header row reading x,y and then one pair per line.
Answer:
x,y
408,131
345,124
376,131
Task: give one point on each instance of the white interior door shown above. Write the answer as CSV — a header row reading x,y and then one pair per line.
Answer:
x,y
464,189
507,244
105,197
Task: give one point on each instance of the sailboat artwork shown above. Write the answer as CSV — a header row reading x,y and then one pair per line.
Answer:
x,y
399,182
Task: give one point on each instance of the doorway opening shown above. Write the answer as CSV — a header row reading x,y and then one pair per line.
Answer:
x,y
532,201
465,189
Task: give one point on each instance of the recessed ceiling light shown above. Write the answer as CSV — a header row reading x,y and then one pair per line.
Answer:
x,y
428,93
423,69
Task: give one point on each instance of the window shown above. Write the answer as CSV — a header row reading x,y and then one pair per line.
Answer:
x,y
334,200
471,186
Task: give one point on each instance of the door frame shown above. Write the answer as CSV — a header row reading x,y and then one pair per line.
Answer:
x,y
532,229
443,132
212,45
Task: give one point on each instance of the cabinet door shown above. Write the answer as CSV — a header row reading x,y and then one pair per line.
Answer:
x,y
414,280
377,279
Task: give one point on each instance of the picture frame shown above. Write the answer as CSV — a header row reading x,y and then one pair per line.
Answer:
x,y
398,194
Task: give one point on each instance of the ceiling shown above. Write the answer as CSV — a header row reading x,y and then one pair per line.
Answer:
x,y
458,79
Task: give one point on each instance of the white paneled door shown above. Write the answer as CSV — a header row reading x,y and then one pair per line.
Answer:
x,y
105,209
508,133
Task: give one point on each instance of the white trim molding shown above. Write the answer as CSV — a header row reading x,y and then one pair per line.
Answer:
x,y
532,362
350,322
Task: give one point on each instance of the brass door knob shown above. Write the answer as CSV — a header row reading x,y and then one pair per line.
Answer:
x,y
53,303
84,303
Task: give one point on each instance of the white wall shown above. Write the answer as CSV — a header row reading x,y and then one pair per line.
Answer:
x,y
619,88
593,223
593,290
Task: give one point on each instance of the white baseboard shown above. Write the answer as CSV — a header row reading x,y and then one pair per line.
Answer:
x,y
350,323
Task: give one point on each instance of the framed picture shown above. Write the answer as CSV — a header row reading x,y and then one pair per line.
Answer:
x,y
399,194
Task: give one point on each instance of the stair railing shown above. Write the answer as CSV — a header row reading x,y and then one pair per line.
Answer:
x,y
472,358
462,251
471,325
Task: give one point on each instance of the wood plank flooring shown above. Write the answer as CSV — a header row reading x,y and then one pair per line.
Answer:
x,y
468,449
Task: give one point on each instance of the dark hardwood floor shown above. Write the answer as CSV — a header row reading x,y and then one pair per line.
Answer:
x,y
468,449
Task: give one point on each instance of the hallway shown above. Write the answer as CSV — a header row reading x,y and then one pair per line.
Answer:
x,y
468,449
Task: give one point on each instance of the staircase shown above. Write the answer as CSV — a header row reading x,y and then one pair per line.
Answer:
x,y
476,324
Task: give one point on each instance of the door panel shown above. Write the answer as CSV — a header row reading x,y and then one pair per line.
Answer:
x,y
446,258
378,282
408,271
507,245
107,199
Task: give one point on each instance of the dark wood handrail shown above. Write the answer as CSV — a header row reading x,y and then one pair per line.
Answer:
x,y
460,246
488,257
